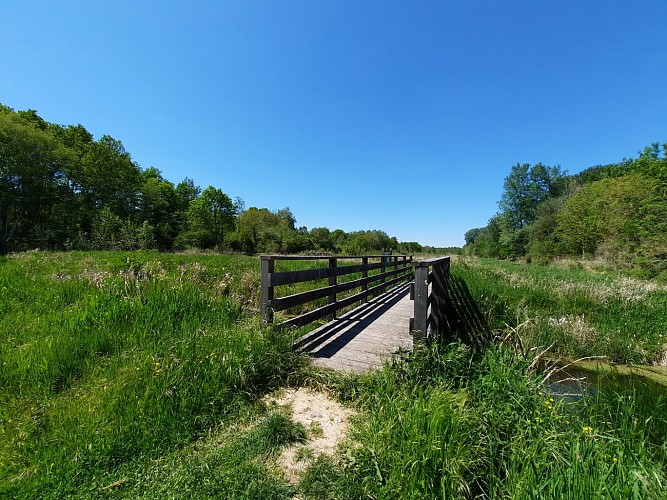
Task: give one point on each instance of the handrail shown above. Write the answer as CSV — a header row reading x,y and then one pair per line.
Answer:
x,y
430,294
393,269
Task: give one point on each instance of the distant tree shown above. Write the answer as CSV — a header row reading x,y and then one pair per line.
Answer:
x,y
210,216
239,205
287,218
186,192
487,243
600,172
259,231
339,239
107,230
31,183
322,239
525,188
30,116
409,247
543,242
158,208
619,215
472,235
364,242
110,178
652,162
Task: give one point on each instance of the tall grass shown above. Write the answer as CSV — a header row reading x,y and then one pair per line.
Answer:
x,y
106,358
576,312
476,421
482,426
138,375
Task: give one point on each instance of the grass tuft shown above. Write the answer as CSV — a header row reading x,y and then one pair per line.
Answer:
x,y
275,432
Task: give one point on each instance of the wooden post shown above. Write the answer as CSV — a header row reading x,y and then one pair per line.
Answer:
x,y
266,290
364,277
332,282
421,303
404,266
383,268
438,297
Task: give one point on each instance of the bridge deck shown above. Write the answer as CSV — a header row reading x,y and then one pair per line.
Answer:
x,y
362,339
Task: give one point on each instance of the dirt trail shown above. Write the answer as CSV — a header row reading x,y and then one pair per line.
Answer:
x,y
326,421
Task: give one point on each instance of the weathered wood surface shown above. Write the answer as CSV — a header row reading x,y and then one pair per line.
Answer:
x,y
393,269
362,339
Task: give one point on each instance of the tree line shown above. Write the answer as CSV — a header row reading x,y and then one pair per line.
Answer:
x,y
615,212
61,189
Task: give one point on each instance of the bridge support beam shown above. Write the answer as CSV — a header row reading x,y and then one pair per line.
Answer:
x,y
430,297
266,291
420,327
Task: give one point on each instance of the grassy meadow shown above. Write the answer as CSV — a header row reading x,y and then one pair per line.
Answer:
x,y
574,310
143,375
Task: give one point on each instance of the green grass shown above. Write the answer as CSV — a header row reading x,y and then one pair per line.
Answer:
x,y
459,424
142,375
576,312
111,356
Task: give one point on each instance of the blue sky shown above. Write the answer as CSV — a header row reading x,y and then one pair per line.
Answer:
x,y
401,116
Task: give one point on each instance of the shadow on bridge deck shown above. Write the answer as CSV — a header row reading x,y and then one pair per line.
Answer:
x,y
384,323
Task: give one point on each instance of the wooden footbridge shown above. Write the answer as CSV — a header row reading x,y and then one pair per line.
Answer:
x,y
373,305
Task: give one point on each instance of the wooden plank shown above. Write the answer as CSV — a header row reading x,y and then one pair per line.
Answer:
x,y
282,303
308,317
316,314
437,299
364,276
322,257
291,277
421,302
364,338
431,262
332,283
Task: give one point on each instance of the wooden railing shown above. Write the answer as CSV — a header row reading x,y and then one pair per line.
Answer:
x,y
430,293
393,270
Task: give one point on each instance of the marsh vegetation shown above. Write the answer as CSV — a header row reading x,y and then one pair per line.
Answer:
x,y
146,375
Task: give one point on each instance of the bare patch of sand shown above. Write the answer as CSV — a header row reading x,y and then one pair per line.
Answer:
x,y
326,421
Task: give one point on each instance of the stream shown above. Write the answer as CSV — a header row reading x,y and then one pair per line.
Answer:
x,y
574,381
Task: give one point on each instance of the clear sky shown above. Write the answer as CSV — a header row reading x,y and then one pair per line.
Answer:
x,y
404,116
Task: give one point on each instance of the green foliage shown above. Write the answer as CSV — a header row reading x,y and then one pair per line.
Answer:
x,y
322,239
544,244
601,172
525,188
31,192
227,463
620,217
481,425
210,216
274,433
117,356
617,212
139,375
652,162
367,242
61,189
575,312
